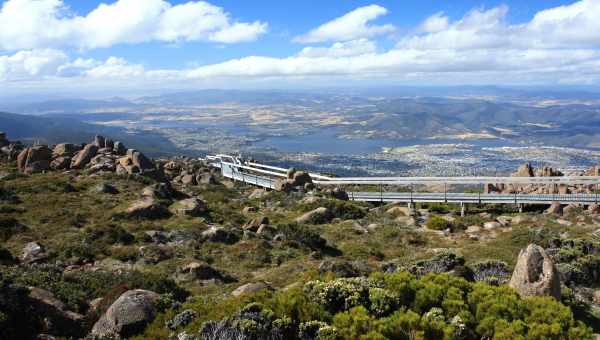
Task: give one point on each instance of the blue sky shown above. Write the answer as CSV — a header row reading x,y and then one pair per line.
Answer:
x,y
290,18
133,44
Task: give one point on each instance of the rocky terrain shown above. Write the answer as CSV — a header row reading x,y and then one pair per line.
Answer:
x,y
99,241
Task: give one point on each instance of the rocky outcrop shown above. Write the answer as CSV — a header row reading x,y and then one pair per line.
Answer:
x,y
535,274
189,207
162,191
218,235
593,209
250,288
9,149
84,156
336,193
317,216
256,223
198,271
134,162
65,150
34,159
593,171
147,207
33,252
3,140
525,170
295,179
57,319
555,209
128,315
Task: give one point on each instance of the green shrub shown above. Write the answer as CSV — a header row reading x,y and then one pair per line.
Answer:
x,y
9,227
438,223
346,210
6,257
302,235
17,319
77,288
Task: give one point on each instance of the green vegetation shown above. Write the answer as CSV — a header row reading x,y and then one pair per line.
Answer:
x,y
438,223
94,252
394,306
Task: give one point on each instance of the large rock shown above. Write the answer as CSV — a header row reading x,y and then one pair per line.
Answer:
x,y
197,271
189,207
218,235
525,170
33,252
255,223
147,207
60,163
140,160
535,274
159,191
337,193
84,156
57,319
34,159
3,140
128,315
399,211
594,209
119,149
555,208
65,150
102,162
593,171
283,185
300,178
134,162
206,178
12,150
251,288
99,141
317,216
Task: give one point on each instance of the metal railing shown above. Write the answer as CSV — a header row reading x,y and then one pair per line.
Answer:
x,y
266,175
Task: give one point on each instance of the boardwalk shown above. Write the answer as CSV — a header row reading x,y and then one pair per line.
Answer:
x,y
265,176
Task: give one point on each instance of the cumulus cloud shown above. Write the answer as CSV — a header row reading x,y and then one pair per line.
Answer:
x,y
435,23
572,26
479,48
31,64
340,49
350,26
34,24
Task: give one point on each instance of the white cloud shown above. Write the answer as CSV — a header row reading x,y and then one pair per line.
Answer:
x,y
435,23
340,49
31,24
350,26
115,67
572,26
480,48
31,64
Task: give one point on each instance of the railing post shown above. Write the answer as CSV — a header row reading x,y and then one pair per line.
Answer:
x,y
445,193
381,191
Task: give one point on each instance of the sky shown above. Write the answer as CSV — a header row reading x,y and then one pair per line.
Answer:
x,y
139,46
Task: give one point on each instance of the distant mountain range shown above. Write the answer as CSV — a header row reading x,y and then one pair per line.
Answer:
x,y
546,116
51,130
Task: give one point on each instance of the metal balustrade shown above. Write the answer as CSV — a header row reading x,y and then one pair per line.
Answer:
x,y
266,176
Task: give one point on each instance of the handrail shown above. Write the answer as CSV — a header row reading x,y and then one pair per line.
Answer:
x,y
312,174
